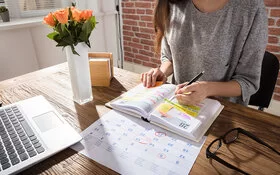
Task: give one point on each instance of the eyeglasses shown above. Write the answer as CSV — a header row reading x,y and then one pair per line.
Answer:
x,y
230,137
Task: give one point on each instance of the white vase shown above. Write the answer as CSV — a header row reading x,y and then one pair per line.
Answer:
x,y
79,73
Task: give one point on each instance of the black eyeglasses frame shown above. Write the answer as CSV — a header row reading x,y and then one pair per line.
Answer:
x,y
221,139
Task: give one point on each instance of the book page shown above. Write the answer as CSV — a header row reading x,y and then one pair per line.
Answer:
x,y
189,121
141,100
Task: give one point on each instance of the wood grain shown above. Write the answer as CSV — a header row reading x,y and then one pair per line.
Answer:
x,y
54,84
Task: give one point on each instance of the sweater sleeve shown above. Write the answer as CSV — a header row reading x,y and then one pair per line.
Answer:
x,y
248,70
165,51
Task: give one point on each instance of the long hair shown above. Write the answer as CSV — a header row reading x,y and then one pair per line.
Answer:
x,y
161,20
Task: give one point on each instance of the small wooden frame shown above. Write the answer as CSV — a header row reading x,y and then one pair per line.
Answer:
x,y
101,68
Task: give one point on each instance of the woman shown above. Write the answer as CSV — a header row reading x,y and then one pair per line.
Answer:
x,y
224,38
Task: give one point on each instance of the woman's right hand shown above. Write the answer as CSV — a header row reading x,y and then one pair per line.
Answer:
x,y
149,78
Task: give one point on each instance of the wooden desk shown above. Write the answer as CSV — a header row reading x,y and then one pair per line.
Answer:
x,y
54,84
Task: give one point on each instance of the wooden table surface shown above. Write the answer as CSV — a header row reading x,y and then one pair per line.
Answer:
x,y
54,84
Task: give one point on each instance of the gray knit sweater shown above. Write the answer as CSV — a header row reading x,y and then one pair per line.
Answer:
x,y
227,44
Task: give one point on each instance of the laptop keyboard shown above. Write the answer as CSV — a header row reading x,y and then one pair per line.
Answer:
x,y
17,140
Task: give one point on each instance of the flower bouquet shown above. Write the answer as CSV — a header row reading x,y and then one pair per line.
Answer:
x,y
72,29
71,26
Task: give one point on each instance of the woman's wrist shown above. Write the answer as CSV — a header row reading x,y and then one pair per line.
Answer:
x,y
226,89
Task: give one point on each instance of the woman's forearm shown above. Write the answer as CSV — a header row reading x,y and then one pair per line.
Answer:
x,y
167,68
225,89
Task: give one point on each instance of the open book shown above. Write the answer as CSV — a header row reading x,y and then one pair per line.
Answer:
x,y
153,105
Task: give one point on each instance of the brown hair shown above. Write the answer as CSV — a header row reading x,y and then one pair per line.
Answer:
x,y
161,20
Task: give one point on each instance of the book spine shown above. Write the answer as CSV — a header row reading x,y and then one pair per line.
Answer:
x,y
146,120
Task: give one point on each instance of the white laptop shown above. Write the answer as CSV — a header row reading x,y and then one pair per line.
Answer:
x,y
31,131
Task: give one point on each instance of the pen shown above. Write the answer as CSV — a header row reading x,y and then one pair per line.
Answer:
x,y
195,78
189,83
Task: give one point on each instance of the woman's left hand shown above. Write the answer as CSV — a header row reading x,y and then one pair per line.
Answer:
x,y
192,94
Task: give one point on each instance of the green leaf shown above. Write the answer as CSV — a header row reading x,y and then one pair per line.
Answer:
x,y
52,35
73,50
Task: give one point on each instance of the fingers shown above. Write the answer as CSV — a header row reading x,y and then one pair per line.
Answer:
x,y
188,99
149,78
179,86
192,94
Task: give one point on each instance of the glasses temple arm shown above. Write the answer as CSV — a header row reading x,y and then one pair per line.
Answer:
x,y
259,140
227,164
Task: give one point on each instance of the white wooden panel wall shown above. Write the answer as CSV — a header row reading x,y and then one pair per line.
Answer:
x,y
26,49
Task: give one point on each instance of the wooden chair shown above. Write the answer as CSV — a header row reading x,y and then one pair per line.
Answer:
x,y
269,74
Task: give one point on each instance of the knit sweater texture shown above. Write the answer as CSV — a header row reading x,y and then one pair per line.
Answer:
x,y
227,44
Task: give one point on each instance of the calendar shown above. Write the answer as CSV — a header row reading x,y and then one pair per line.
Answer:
x,y
129,145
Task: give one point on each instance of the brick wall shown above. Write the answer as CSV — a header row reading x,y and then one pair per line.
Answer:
x,y
138,33
273,13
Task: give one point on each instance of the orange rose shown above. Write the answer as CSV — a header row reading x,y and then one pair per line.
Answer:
x,y
49,20
62,15
76,14
86,14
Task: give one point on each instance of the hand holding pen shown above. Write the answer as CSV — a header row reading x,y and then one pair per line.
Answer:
x,y
184,92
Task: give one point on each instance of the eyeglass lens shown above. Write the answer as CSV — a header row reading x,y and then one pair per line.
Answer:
x,y
231,136
215,146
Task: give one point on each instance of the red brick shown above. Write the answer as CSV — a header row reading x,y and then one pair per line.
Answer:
x,y
136,40
129,22
143,4
149,11
272,39
128,59
126,27
275,12
129,54
148,64
276,97
278,22
126,33
272,3
128,49
141,35
147,53
142,57
135,50
135,45
135,29
278,56
147,48
137,61
128,4
140,11
149,42
274,31
132,17
278,82
147,18
147,30
127,38
150,25
273,48
142,24
128,11
277,89
271,21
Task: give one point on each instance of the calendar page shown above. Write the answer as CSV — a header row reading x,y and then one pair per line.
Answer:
x,y
129,145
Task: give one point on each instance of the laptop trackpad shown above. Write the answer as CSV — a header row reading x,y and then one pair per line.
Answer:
x,y
47,121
